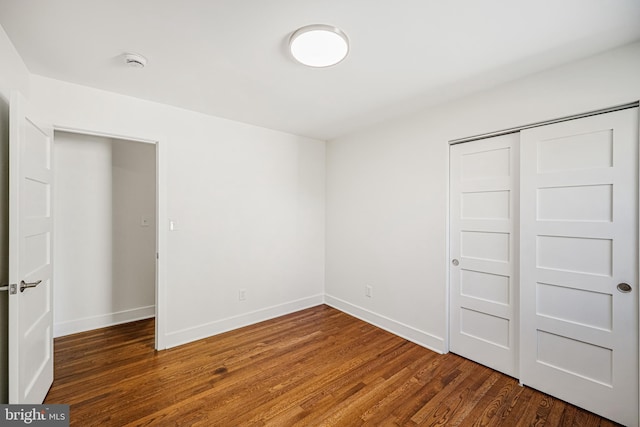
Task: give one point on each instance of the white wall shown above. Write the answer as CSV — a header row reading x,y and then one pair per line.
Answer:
x,y
134,244
82,229
387,190
13,76
104,259
248,204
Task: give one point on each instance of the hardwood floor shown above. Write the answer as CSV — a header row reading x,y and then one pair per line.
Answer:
x,y
317,367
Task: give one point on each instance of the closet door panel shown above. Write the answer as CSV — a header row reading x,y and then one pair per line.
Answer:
x,y
579,238
483,245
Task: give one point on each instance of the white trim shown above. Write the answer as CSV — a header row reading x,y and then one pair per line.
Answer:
x,y
402,330
162,227
207,330
448,258
637,272
101,321
68,129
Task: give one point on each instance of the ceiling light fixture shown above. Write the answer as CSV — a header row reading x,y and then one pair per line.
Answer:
x,y
135,60
319,45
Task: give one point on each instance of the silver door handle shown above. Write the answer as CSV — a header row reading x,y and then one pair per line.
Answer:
x,y
24,285
624,288
455,262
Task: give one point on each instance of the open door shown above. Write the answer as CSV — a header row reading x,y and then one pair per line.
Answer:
x,y
30,256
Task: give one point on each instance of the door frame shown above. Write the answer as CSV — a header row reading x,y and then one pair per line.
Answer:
x,y
161,221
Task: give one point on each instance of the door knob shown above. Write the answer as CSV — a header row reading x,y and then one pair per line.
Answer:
x,y
24,285
455,262
624,287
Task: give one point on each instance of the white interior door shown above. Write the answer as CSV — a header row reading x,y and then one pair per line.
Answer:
x,y
483,264
30,256
579,216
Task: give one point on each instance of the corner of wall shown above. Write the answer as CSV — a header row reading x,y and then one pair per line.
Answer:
x,y
14,74
407,332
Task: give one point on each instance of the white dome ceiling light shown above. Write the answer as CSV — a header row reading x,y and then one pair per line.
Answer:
x,y
135,60
319,45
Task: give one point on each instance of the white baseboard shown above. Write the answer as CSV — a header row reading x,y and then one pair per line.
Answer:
x,y
88,323
407,332
184,336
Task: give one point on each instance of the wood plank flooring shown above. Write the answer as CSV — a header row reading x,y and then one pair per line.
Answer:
x,y
316,367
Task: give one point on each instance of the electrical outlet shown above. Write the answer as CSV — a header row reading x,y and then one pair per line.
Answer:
x,y
242,294
368,291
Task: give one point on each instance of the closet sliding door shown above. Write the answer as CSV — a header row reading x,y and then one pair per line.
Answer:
x,y
544,259
579,262
483,221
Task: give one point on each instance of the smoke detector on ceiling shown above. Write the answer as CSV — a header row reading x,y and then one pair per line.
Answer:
x,y
135,60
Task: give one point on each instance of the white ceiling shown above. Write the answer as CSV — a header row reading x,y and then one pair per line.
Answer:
x,y
228,58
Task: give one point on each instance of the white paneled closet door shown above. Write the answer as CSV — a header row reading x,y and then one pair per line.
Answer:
x,y
579,262
483,248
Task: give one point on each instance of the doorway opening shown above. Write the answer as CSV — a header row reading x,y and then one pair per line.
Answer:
x,y
105,240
